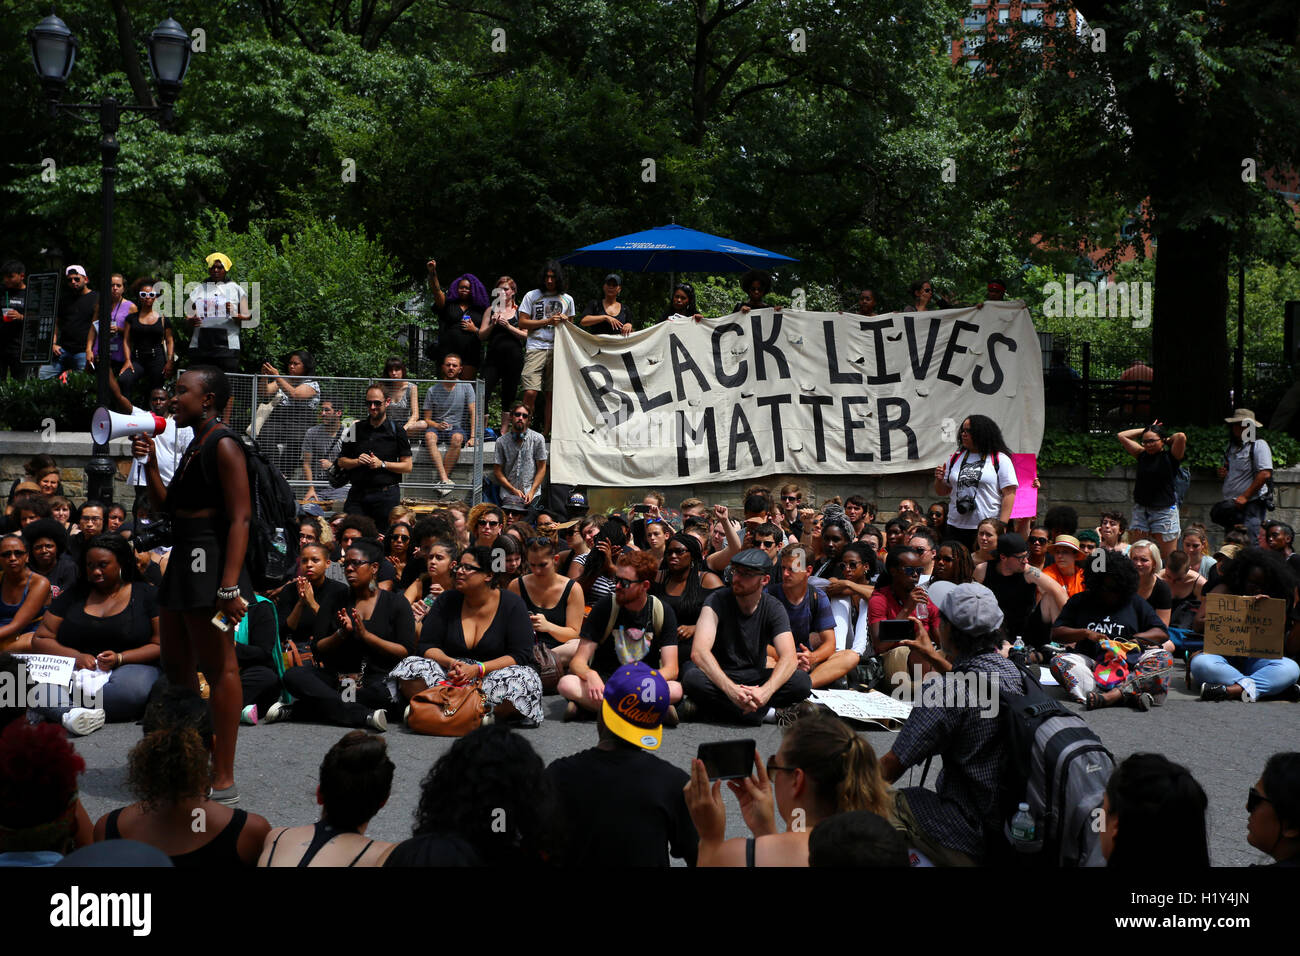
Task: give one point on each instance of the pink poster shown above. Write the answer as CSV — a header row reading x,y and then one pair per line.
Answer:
x,y
1026,503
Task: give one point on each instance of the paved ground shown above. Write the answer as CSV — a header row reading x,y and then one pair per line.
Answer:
x,y
1224,745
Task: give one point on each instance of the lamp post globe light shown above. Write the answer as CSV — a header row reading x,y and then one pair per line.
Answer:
x,y
54,51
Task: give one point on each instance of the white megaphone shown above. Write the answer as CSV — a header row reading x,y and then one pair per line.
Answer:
x,y
107,425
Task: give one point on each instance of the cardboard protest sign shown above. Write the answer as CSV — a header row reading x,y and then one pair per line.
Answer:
x,y
1238,626
813,393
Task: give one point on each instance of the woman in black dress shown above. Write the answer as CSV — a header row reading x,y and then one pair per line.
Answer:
x,y
460,318
210,507
354,650
608,316
108,623
682,302
478,632
148,341
683,584
555,603
503,360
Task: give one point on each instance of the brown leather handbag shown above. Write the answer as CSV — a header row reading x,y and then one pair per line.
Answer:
x,y
445,710
546,665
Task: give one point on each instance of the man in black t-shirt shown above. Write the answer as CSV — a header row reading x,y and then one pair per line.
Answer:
x,y
1029,599
730,679
633,635
625,807
375,461
72,328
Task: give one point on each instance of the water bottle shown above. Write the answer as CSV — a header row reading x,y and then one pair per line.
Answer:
x,y
276,560
1024,829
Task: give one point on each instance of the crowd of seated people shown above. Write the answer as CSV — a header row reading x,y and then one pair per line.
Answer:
x,y
741,616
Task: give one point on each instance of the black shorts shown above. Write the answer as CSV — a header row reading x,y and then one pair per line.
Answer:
x,y
194,568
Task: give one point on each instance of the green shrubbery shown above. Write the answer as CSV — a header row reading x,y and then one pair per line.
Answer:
x,y
25,404
1205,446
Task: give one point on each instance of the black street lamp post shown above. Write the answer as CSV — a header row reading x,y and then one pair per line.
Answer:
x,y
54,50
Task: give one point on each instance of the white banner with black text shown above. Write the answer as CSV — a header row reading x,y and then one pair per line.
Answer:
x,y
795,393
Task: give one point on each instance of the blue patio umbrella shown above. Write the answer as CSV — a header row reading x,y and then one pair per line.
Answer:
x,y
674,249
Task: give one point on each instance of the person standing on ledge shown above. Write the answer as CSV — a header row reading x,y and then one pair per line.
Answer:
x,y
375,461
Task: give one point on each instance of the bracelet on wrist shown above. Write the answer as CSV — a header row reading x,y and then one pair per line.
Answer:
x,y
228,594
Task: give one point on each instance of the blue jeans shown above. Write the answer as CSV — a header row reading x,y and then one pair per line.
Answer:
x,y
1259,677
1252,516
67,362
122,698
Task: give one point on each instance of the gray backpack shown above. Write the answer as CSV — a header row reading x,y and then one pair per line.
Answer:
x,y
1057,765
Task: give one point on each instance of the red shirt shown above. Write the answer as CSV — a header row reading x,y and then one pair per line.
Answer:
x,y
883,606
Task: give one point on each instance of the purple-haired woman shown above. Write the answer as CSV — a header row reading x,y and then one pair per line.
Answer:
x,y
461,315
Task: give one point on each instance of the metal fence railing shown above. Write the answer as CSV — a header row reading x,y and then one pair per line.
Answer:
x,y
1101,388
296,432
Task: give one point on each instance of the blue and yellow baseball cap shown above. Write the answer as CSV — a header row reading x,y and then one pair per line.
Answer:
x,y
636,699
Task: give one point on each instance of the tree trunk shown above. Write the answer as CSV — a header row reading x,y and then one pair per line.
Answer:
x,y
1189,337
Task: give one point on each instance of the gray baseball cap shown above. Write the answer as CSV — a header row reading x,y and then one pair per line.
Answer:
x,y
972,608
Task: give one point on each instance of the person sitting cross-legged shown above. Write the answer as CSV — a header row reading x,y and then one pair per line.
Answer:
x,y
630,625
1257,572
812,621
730,679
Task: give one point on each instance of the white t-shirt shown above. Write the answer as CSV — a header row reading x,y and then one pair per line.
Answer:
x,y
973,476
209,302
538,305
169,447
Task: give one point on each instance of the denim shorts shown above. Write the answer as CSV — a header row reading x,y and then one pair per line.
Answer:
x,y
1161,521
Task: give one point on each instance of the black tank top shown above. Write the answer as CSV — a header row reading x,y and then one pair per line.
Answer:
x,y
557,615
146,338
196,483
219,852
1015,595
323,834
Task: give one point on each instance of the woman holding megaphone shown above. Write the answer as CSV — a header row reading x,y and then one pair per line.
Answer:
x,y
205,590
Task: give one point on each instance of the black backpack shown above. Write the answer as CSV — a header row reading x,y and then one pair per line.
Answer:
x,y
273,506
1057,765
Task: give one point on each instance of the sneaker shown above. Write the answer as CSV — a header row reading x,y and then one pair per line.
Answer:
x,y
249,715
686,710
670,717
525,723
277,711
81,721
1142,701
570,712
1214,692
377,721
228,797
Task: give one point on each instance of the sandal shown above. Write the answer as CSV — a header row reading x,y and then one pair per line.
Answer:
x,y
1095,701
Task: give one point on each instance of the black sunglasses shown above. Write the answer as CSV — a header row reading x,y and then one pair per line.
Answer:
x,y
1254,798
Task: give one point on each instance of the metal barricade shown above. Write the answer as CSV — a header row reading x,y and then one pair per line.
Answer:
x,y
301,428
